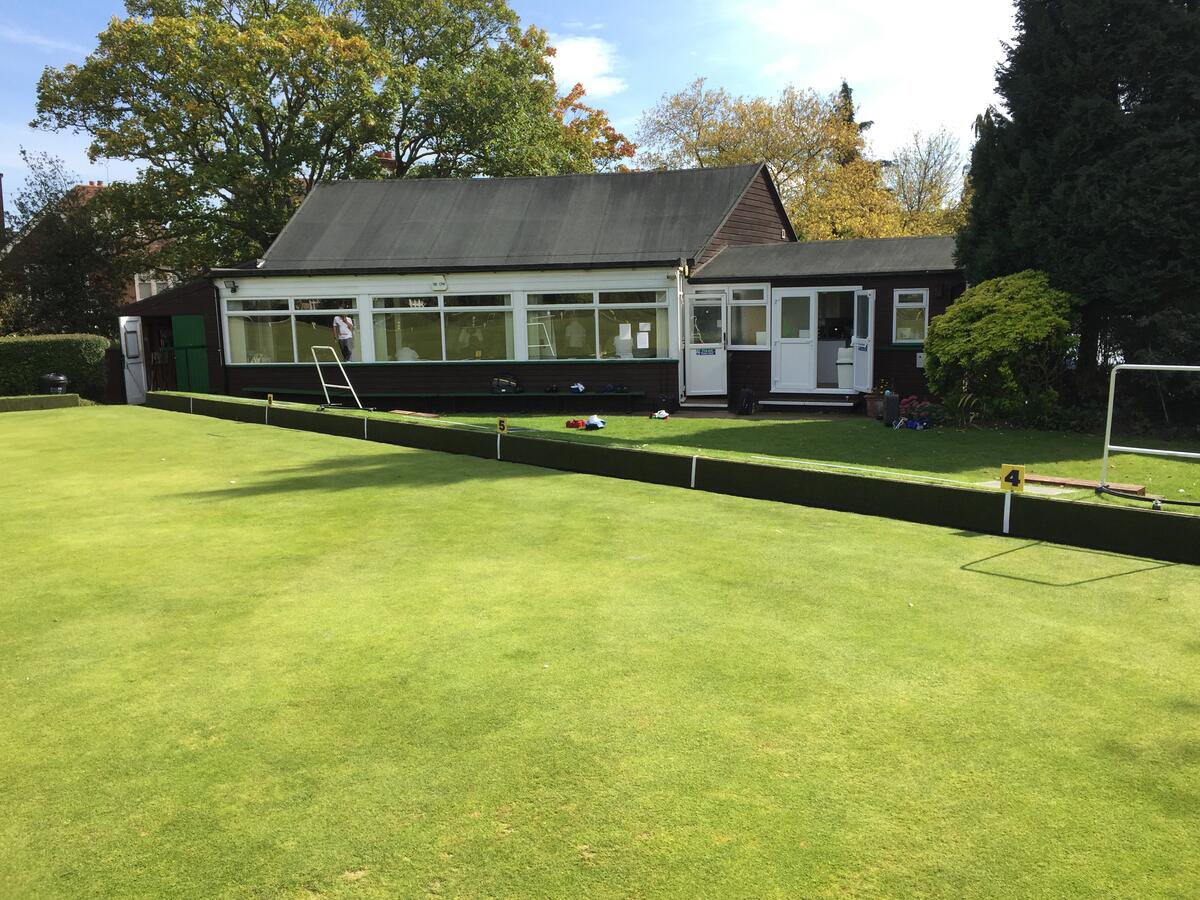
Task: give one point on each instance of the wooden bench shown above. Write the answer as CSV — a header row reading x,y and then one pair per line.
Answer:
x,y
451,397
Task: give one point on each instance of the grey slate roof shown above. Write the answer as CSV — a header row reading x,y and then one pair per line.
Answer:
x,y
876,256
575,221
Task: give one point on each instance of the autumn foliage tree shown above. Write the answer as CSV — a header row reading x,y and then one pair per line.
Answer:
x,y
813,143
235,108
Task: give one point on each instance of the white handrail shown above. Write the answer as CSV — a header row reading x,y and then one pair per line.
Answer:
x,y
325,386
1112,391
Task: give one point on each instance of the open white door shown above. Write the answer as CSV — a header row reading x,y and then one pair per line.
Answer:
x,y
135,364
704,345
863,341
794,347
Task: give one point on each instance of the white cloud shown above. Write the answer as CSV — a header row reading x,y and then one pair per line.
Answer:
x,y
12,35
591,61
918,65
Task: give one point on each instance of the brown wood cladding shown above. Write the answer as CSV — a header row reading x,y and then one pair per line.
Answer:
x,y
653,379
193,298
756,219
896,364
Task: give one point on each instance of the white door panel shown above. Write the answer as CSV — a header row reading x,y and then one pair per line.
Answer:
x,y
793,346
863,341
135,364
704,345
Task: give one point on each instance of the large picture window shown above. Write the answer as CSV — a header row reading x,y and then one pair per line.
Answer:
x,y
910,315
453,327
261,339
598,325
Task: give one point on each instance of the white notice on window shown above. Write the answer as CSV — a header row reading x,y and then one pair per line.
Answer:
x,y
643,326
643,340
625,331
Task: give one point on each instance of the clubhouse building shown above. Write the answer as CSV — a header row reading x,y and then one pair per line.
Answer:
x,y
660,287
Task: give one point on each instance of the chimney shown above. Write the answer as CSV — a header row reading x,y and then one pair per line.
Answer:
x,y
386,159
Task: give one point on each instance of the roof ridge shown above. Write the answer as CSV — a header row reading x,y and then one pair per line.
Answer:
x,y
497,178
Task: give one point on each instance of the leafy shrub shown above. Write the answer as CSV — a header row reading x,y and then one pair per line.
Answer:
x,y
24,359
1005,344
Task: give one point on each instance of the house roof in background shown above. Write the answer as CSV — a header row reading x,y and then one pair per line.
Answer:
x,y
874,256
566,221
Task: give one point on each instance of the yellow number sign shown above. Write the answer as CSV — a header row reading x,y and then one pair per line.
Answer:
x,y
501,425
1012,478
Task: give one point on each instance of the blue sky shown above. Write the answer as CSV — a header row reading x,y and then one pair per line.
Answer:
x,y
918,64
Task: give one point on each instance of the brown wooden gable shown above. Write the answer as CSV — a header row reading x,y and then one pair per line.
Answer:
x,y
757,217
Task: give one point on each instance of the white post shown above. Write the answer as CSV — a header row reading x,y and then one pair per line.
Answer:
x,y
1007,510
1112,390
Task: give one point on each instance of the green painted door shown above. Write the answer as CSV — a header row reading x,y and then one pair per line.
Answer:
x,y
191,353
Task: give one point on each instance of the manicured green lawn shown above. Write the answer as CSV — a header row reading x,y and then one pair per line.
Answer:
x,y
970,455
240,661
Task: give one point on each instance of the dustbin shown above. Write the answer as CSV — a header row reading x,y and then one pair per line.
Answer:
x,y
54,384
845,368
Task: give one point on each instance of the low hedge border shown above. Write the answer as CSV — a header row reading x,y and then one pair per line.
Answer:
x,y
30,402
1166,536
24,359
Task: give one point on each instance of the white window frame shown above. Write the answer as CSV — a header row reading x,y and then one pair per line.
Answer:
x,y
365,289
765,303
897,305
596,306
441,309
157,285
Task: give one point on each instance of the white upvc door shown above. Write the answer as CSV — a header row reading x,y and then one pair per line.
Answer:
x,y
704,345
793,345
135,364
863,341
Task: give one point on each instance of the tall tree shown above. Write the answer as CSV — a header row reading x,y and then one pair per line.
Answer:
x,y
467,92
926,177
69,262
1089,171
813,144
236,108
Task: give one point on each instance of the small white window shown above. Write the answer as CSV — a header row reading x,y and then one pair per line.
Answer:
x,y
910,315
149,284
748,318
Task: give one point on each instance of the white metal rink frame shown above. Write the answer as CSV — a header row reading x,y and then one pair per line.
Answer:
x,y
1146,451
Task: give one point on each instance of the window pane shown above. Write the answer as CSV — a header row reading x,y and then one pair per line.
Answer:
x,y
405,337
862,317
405,303
910,323
255,305
553,299
707,324
633,334
319,331
341,303
478,300
633,296
795,318
260,339
748,294
569,334
479,335
910,297
748,325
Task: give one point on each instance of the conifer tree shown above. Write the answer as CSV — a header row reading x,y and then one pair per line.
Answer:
x,y
1091,172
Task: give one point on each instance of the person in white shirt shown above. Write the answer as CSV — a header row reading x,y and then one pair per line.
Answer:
x,y
343,332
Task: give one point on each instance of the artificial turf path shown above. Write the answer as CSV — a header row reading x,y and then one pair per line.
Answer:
x,y
241,661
